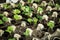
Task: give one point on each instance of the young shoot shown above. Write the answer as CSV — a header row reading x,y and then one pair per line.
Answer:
x,y
1,22
29,20
17,17
16,11
50,24
39,10
28,32
30,1
11,29
6,6
35,20
5,19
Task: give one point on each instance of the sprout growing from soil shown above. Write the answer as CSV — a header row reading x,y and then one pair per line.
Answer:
x,y
1,22
5,19
57,6
35,20
27,9
11,39
39,10
30,1
28,32
16,11
11,29
39,17
29,20
17,17
50,24
6,6
17,36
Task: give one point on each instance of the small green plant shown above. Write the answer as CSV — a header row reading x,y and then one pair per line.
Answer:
x,y
50,24
16,11
5,19
30,1
27,9
6,6
39,17
57,6
1,22
10,29
39,10
17,17
35,20
27,33
29,20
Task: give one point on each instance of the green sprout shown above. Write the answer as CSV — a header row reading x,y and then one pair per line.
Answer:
x,y
11,39
17,17
23,7
39,17
30,1
9,29
1,22
35,20
50,24
27,9
29,20
6,6
27,32
57,6
39,10
16,11
5,19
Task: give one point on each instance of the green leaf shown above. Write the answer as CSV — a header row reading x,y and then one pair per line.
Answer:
x,y
35,20
17,17
27,33
39,10
6,6
39,17
30,1
9,29
50,24
29,20
16,11
5,19
27,9
1,22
